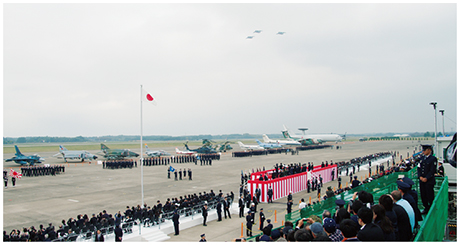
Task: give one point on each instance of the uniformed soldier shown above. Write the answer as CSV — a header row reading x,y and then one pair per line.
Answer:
x,y
169,173
241,206
219,211
175,175
270,194
180,174
289,206
203,238
5,179
426,171
204,213
249,223
261,218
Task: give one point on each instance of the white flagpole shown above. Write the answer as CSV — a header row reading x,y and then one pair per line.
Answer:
x,y
142,159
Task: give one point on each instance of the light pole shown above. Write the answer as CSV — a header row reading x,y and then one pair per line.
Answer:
x,y
434,103
443,132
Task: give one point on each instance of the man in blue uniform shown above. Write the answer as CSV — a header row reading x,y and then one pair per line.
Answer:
x,y
426,170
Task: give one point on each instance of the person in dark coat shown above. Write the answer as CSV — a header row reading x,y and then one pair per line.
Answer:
x,y
99,237
369,230
203,238
261,218
426,171
204,213
219,211
249,223
241,206
175,219
118,234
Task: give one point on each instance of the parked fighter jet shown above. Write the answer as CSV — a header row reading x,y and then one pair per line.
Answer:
x,y
151,153
22,159
72,155
281,142
268,145
184,152
117,153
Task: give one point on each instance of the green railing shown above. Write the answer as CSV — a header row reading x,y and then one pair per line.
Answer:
x,y
432,228
434,224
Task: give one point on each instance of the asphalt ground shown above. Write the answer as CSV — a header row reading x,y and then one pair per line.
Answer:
x,y
87,188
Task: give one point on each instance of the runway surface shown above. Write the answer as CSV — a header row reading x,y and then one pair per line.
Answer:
x,y
88,188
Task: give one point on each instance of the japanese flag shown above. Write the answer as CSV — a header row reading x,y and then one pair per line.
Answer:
x,y
15,174
148,97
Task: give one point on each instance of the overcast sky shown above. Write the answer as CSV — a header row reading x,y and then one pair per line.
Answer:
x,y
76,69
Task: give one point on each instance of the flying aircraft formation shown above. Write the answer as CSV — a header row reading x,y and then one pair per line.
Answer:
x,y
158,153
74,155
117,154
22,159
259,31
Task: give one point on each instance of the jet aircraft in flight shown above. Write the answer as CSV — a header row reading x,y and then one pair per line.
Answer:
x,y
22,159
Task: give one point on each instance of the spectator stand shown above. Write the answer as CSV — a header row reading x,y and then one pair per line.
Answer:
x,y
292,183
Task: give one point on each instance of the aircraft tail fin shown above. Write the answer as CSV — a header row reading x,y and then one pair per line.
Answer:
x,y
258,142
286,134
177,150
240,144
62,148
147,147
18,152
104,147
266,139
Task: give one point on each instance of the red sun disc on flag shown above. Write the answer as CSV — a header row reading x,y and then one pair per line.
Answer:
x,y
149,97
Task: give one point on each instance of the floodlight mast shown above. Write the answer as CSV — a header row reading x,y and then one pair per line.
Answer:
x,y
443,132
434,103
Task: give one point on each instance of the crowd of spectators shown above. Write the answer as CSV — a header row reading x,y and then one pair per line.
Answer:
x,y
145,215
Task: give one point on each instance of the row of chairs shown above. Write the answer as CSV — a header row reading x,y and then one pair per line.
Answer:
x,y
90,234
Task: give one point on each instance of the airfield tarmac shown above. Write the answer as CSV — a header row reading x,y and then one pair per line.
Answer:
x,y
88,188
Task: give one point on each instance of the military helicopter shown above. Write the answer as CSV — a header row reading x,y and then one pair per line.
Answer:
x,y
205,149
225,146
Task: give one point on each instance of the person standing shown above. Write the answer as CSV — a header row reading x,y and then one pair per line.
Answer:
x,y
339,180
270,194
227,208
425,172
189,174
13,180
169,173
261,218
289,206
204,213
249,223
219,211
175,175
241,206
5,180
118,234
175,219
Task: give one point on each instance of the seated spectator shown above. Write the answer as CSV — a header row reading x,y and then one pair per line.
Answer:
x,y
383,222
318,232
331,230
349,230
369,231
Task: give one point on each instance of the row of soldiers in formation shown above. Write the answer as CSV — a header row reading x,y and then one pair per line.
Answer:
x,y
33,171
117,164
180,174
154,161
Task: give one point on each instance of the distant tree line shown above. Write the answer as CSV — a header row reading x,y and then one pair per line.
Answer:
x,y
109,138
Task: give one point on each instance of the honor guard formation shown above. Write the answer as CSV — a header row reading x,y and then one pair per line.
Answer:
x,y
34,171
117,164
